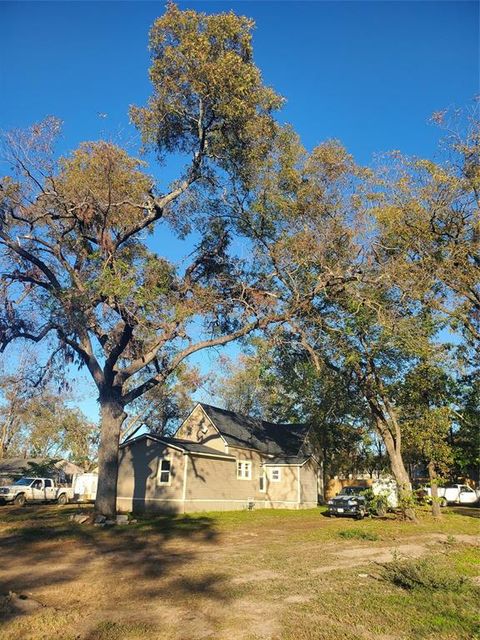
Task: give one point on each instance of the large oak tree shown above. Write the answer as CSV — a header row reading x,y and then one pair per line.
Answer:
x,y
78,270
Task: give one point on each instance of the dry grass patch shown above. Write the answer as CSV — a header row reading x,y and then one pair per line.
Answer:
x,y
261,575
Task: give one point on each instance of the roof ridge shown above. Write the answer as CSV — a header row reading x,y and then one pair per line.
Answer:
x,y
247,417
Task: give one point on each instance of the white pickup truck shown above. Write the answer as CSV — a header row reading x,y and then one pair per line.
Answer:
x,y
35,490
456,494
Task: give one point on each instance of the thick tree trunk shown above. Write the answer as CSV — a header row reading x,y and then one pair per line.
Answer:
x,y
112,417
399,471
404,486
432,474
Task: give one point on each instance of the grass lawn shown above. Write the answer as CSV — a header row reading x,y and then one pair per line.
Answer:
x,y
285,575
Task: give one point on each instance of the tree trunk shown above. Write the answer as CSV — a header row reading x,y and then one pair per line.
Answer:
x,y
399,471
112,417
432,474
325,476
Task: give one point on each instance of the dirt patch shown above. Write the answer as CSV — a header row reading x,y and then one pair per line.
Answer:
x,y
358,556
257,576
297,599
261,620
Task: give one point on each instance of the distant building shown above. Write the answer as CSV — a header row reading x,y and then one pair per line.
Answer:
x,y
12,469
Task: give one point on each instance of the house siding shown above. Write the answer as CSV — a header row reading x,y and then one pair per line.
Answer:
x,y
137,487
199,428
201,482
309,475
283,493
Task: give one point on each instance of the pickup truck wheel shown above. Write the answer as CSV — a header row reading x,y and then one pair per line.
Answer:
x,y
20,500
443,502
62,499
360,515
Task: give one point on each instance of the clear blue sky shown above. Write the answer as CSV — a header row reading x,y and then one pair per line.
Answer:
x,y
367,73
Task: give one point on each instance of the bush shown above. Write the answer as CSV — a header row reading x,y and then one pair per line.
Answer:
x,y
425,573
357,534
377,504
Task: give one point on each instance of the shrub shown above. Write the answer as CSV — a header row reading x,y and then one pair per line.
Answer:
x,y
376,503
357,534
425,573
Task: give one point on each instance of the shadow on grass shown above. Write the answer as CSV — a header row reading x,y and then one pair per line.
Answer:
x,y
47,549
471,512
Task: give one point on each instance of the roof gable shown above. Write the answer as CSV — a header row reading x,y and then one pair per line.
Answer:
x,y
253,433
186,446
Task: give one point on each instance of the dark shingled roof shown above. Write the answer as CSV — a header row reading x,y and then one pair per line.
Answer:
x,y
192,447
185,445
278,440
287,460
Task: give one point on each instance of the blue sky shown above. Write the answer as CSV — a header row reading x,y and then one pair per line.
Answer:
x,y
367,73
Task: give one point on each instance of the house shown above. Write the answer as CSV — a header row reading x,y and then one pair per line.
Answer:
x,y
219,460
12,469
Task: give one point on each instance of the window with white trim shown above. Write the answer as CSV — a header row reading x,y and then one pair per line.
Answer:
x,y
164,471
275,474
244,470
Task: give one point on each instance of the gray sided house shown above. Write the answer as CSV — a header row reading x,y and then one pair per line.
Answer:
x,y
218,461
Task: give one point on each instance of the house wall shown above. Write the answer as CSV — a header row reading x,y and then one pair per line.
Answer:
x,y
137,487
309,476
199,428
211,483
284,493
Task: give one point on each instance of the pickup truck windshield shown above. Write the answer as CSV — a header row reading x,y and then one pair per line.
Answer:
x,y
24,482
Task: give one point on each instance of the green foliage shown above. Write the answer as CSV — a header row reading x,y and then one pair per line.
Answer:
x,y
427,216
358,534
377,504
208,96
350,273
277,382
466,437
424,574
45,469
35,420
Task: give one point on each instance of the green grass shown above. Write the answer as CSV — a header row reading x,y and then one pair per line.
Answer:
x,y
358,534
353,606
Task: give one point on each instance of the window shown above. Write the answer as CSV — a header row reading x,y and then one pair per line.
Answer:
x,y
275,474
262,483
244,470
48,484
164,468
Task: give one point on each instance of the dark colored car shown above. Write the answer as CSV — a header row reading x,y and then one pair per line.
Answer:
x,y
349,502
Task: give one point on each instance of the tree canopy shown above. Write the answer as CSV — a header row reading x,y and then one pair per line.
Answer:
x,y
349,273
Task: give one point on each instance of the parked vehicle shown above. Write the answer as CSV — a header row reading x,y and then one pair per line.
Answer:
x,y
455,494
35,490
349,502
